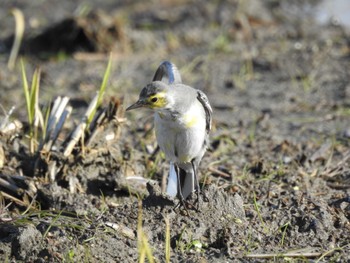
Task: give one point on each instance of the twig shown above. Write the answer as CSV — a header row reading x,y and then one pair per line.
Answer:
x,y
218,172
302,253
125,231
287,254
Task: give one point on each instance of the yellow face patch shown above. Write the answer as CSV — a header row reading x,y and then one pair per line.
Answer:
x,y
157,100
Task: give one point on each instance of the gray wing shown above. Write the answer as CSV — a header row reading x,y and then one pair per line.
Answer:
x,y
203,99
168,73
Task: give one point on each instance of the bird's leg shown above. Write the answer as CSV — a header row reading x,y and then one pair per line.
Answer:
x,y
197,185
196,181
179,190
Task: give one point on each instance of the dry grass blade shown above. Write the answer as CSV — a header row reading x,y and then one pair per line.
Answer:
x,y
309,252
55,114
219,173
60,123
9,185
300,253
38,117
2,156
279,255
80,129
335,169
14,199
30,206
321,153
96,126
57,117
5,121
20,25
4,215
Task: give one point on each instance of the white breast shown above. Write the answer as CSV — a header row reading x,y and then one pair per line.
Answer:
x,y
181,139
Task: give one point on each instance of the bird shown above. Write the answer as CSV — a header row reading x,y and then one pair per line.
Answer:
x,y
182,120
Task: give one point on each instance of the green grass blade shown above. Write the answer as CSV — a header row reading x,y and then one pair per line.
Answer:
x,y
144,249
34,93
256,206
46,120
102,89
105,80
167,240
147,249
52,224
26,91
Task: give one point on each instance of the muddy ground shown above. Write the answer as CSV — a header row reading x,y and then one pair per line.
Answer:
x,y
276,178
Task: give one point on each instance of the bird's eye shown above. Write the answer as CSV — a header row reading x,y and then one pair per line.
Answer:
x,y
155,99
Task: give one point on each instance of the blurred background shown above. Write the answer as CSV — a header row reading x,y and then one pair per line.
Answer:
x,y
218,45
277,74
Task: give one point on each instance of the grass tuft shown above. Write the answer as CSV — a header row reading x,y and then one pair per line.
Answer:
x,y
284,230
256,206
167,240
32,103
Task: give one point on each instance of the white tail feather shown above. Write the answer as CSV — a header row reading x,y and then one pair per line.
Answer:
x,y
188,187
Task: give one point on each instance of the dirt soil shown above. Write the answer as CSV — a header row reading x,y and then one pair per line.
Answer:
x,y
275,180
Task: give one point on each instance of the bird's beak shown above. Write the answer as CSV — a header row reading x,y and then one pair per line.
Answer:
x,y
136,105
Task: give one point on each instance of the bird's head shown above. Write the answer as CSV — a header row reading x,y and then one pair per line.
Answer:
x,y
154,96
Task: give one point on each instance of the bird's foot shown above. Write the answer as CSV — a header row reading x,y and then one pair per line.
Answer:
x,y
192,202
182,204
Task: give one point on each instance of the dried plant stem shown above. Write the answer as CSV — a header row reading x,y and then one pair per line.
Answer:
x,y
6,184
14,199
79,130
58,115
288,254
218,172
